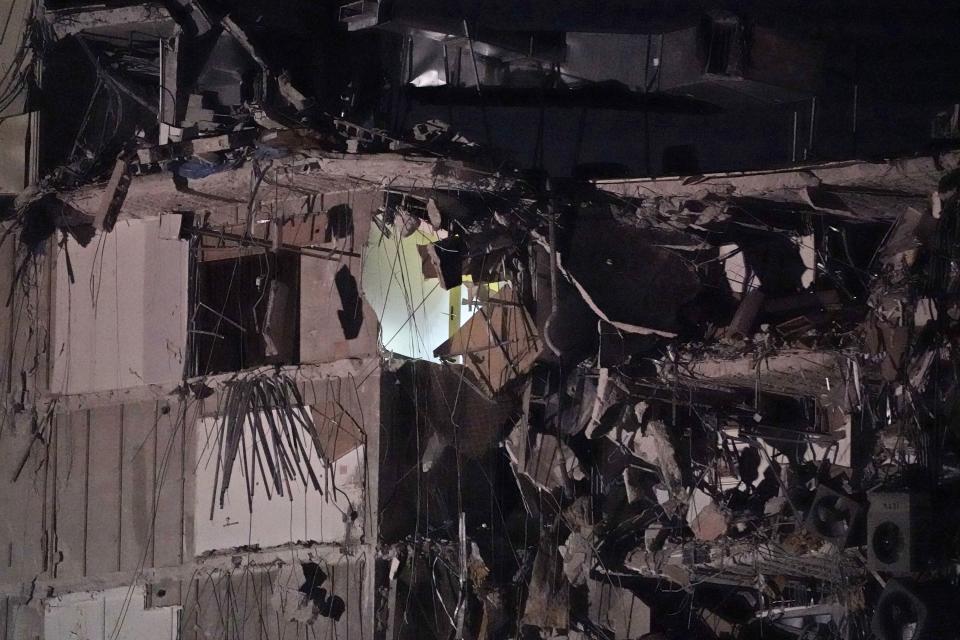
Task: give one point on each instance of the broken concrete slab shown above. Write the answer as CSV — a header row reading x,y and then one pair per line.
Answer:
x,y
548,597
616,609
704,517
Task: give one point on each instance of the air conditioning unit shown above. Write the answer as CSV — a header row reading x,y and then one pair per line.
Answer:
x,y
362,14
898,537
835,517
917,611
721,34
946,124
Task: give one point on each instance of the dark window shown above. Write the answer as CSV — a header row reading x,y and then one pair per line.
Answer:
x,y
245,312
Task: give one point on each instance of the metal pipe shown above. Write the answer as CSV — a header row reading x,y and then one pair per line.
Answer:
x,y
311,252
793,148
473,57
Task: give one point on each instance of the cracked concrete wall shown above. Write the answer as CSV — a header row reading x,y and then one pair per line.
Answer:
x,y
336,321
111,494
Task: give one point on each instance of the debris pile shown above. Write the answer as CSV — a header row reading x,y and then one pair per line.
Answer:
x,y
727,416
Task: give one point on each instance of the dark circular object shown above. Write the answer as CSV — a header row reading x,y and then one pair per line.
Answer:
x,y
887,542
830,518
899,618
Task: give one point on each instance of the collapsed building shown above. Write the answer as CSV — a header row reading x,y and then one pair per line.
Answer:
x,y
273,370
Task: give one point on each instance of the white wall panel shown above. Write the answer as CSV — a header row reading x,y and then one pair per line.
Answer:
x,y
300,514
122,323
